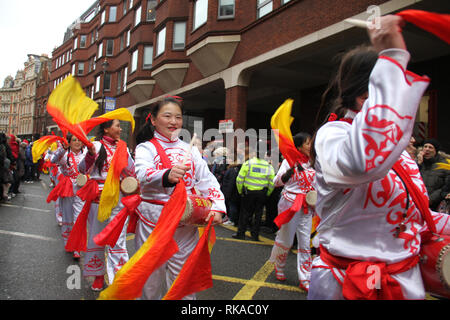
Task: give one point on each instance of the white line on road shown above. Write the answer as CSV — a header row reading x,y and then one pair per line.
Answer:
x,y
26,208
27,235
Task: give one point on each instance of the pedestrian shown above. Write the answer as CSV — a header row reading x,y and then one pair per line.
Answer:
x,y
97,164
21,162
231,194
156,141
434,178
254,184
6,159
29,163
362,170
14,145
68,157
297,182
220,163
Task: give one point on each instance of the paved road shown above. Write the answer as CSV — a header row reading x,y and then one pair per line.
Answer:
x,y
34,265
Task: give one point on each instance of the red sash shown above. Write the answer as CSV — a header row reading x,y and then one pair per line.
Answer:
x,y
63,189
286,215
355,286
78,236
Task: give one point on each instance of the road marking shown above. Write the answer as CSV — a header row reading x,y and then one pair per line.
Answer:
x,y
27,235
248,291
27,208
260,283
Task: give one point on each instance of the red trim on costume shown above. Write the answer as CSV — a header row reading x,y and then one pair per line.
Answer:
x,y
406,72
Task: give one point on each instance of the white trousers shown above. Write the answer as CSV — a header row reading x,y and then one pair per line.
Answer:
x,y
94,259
186,238
70,208
299,225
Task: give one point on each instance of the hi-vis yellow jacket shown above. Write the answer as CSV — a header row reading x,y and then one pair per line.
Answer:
x,y
255,174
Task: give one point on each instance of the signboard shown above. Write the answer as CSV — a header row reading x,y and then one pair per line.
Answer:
x,y
226,126
110,104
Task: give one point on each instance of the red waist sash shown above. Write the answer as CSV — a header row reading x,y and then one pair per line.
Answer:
x,y
63,189
286,215
358,283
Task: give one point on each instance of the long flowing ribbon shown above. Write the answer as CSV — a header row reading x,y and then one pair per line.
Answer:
x,y
77,240
436,23
110,234
111,189
287,214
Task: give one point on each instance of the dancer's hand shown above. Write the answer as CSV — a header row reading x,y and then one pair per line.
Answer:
x,y
388,33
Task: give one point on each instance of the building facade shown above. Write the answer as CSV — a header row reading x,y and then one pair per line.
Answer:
x,y
236,60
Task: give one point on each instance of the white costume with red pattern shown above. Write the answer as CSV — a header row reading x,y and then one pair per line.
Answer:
x,y
94,260
299,225
69,207
150,172
361,200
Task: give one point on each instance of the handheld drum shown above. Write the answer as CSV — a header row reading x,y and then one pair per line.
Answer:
x,y
197,210
435,265
129,185
311,198
81,180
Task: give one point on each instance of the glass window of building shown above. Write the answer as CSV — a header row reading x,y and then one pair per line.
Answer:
x,y
107,82
125,75
137,17
112,14
97,84
102,19
200,13
75,43
284,1
109,47
179,35
80,68
151,11
83,41
161,41
148,57
128,37
264,7
100,50
134,61
119,81
226,8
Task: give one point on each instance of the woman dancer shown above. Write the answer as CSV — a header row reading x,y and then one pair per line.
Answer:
x,y
297,183
67,158
370,194
157,185
97,164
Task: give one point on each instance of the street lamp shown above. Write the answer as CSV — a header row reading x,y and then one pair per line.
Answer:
x,y
105,66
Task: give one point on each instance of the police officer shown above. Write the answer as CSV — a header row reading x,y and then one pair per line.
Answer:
x,y
254,183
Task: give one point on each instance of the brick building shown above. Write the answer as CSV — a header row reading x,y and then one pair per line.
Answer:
x,y
232,59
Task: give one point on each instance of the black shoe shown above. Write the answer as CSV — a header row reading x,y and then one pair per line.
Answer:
x,y
255,237
238,236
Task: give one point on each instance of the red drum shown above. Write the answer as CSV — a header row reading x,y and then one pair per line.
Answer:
x,y
435,265
197,210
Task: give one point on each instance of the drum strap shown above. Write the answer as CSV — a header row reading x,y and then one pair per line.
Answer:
x,y
420,200
162,154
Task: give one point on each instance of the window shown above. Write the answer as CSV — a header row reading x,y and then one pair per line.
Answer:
x,y
124,7
151,11
134,61
102,21
125,74
80,68
92,37
226,8
122,41
119,81
284,1
97,84
179,35
137,16
161,41
75,43
109,47
128,37
100,49
73,69
131,4
83,41
112,14
264,7
200,12
107,82
148,57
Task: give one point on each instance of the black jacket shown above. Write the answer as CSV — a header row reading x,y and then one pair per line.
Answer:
x,y
435,180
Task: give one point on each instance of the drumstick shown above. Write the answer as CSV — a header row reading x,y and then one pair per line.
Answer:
x,y
188,153
357,22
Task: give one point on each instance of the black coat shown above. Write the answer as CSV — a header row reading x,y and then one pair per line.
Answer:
x,y
435,180
229,189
